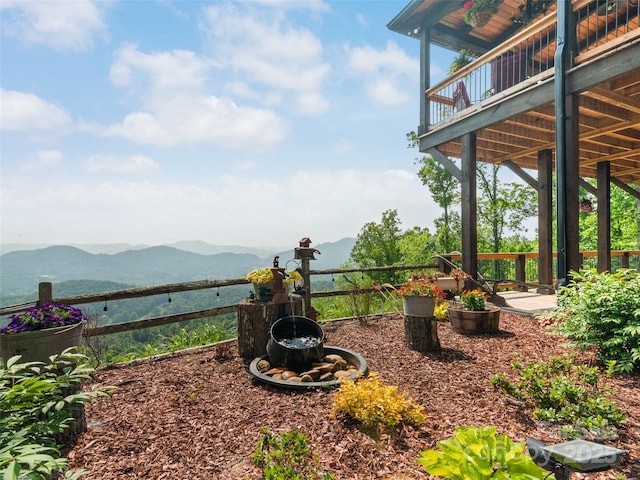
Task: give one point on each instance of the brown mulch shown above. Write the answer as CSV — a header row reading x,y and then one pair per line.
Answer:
x,y
191,416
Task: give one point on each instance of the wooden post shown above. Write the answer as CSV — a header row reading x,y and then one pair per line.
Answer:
x,y
45,292
521,272
255,320
421,333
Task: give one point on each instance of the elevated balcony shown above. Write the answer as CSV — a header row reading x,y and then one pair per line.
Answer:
x,y
506,96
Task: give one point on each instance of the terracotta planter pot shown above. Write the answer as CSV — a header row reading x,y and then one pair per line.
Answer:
x,y
39,345
468,322
418,306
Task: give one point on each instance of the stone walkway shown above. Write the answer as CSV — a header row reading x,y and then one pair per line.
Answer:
x,y
528,303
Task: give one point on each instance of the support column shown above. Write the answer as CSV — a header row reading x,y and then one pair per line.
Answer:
x,y
604,216
567,151
545,220
425,74
469,214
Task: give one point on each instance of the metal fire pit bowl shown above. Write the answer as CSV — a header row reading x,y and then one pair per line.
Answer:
x,y
351,357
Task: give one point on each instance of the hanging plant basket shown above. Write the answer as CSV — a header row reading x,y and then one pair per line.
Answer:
x,y
480,18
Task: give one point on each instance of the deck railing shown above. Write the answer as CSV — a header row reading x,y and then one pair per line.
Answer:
x,y
527,58
520,266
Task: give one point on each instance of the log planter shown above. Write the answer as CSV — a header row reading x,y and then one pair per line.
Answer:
x,y
421,333
469,322
420,326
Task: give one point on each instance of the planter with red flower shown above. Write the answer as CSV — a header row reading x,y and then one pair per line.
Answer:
x,y
419,296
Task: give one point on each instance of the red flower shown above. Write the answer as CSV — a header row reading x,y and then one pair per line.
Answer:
x,y
467,5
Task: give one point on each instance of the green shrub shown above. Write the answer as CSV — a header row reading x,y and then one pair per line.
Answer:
x,y
477,453
286,456
37,403
377,406
566,394
602,311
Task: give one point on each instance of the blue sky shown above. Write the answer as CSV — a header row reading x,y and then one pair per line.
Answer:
x,y
250,123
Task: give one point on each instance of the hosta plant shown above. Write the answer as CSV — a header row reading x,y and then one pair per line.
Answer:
x,y
478,453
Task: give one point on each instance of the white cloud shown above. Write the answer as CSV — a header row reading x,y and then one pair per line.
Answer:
x,y
343,147
135,164
384,72
186,119
176,108
177,69
312,103
324,205
385,91
60,25
26,111
43,160
267,50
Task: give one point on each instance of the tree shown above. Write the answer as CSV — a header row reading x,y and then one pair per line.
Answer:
x,y
377,243
444,190
625,228
500,207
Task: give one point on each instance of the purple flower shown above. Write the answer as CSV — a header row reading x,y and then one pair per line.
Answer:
x,y
48,315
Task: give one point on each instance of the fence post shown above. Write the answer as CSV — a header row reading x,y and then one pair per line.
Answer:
x,y
624,260
521,272
45,292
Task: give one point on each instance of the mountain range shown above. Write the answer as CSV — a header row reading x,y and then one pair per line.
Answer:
x,y
22,270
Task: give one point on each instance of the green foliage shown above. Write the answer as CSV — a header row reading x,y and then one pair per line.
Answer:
x,y
286,456
501,206
476,453
377,406
625,221
564,393
377,244
602,311
37,403
473,300
444,189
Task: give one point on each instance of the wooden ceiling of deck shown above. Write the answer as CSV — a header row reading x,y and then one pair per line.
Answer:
x,y
609,113
609,131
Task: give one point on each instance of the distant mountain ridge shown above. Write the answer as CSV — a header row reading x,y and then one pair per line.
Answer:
x,y
21,271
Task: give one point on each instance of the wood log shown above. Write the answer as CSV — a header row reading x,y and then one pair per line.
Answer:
x,y
255,320
421,333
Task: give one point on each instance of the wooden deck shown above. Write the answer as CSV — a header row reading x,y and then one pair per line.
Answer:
x,y
528,303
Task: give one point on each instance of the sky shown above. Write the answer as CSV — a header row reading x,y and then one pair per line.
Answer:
x,y
252,123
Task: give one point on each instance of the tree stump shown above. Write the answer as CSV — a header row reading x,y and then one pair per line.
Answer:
x,y
421,333
255,320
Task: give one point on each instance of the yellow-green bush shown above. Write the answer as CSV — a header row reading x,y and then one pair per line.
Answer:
x,y
376,405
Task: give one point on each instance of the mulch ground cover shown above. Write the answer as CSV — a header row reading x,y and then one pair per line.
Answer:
x,y
193,416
